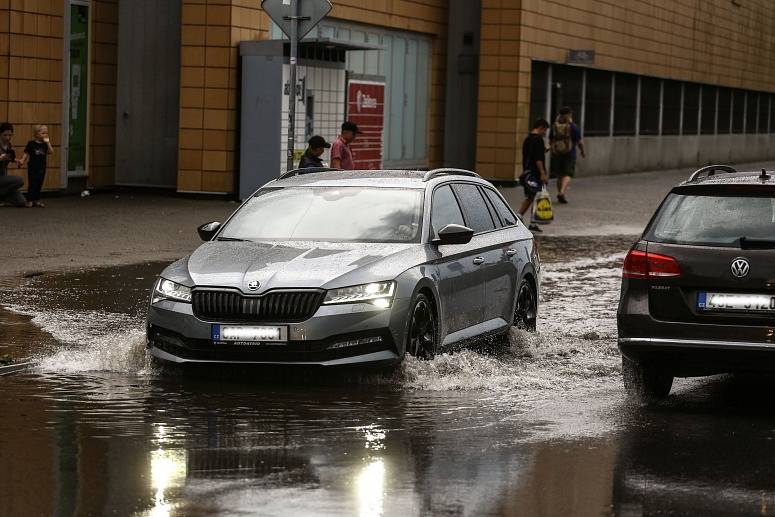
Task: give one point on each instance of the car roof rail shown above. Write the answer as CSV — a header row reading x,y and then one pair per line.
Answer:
x,y
447,171
308,170
710,170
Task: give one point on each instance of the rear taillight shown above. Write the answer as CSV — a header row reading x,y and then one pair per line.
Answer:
x,y
644,265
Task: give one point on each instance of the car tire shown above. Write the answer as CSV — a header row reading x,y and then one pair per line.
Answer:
x,y
526,307
423,337
645,382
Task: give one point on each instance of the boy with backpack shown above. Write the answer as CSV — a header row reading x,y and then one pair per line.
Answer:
x,y
564,138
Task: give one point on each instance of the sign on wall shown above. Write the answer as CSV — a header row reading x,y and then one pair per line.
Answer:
x,y
366,107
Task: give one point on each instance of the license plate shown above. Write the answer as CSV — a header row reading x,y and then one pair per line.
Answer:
x,y
245,334
736,302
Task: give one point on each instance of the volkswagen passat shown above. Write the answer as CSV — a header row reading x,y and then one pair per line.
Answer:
x,y
332,268
698,293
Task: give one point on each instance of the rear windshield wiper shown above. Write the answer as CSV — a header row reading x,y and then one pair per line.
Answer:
x,y
231,239
748,243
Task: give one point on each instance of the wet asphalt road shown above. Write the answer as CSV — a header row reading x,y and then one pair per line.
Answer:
x,y
541,428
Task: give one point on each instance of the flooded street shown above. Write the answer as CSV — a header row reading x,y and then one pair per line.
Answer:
x,y
540,428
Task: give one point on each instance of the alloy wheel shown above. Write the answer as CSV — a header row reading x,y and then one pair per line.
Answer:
x,y
526,310
423,332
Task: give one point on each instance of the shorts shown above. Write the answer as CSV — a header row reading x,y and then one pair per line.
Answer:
x,y
563,165
530,185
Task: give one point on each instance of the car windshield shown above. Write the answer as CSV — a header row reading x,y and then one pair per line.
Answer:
x,y
714,220
330,214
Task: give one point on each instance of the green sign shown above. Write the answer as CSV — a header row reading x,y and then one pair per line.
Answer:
x,y
79,67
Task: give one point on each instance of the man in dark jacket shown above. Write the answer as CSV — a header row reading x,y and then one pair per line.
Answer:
x,y
311,157
10,186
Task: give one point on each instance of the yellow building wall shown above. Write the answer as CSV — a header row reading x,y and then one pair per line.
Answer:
x,y
707,41
209,91
102,96
31,55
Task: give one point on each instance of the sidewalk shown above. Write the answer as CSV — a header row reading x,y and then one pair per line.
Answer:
x,y
102,230
608,205
112,229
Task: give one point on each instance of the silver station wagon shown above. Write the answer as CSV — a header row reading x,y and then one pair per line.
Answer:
x,y
326,267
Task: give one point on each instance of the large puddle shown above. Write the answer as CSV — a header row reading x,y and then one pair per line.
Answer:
x,y
534,429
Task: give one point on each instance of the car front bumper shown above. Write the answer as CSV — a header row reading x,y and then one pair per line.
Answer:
x,y
337,335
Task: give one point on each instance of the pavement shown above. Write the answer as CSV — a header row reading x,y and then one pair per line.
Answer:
x,y
108,229
613,205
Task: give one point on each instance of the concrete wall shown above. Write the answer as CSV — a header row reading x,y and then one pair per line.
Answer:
x,y
620,154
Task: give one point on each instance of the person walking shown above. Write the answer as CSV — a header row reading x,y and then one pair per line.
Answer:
x,y
564,139
534,176
35,153
10,186
341,153
311,157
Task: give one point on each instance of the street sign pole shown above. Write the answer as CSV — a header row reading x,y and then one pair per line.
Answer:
x,y
296,18
294,37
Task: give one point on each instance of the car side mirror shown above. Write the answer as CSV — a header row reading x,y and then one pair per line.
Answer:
x,y
208,230
454,234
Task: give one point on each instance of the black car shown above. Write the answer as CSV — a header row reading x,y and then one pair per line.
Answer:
x,y
698,287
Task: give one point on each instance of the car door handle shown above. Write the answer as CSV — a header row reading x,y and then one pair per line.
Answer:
x,y
511,252
478,260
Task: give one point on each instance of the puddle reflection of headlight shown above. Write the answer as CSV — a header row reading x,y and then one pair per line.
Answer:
x,y
168,471
371,488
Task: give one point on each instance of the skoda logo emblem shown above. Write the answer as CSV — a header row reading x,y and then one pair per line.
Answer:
x,y
254,285
740,268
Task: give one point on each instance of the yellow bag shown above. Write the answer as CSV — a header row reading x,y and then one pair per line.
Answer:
x,y
542,207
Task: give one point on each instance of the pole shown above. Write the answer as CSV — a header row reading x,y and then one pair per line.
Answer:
x,y
292,82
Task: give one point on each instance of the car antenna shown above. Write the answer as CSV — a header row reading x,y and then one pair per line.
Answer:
x,y
764,176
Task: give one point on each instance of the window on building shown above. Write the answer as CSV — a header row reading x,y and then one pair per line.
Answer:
x,y
567,87
752,112
772,113
539,76
597,115
671,110
764,113
724,110
650,93
708,117
691,108
738,111
625,104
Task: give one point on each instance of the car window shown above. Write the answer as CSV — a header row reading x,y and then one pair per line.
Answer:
x,y
477,216
493,214
713,220
330,214
444,209
507,216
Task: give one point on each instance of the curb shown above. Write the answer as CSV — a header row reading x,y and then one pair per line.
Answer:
x,y
14,368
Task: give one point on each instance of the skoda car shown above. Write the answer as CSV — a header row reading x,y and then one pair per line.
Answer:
x,y
698,288
327,267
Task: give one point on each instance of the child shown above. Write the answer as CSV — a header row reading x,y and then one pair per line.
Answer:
x,y
35,153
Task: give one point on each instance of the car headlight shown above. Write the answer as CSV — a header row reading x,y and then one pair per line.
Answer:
x,y
378,293
169,290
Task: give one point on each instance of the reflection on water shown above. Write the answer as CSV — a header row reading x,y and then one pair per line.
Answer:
x,y
537,429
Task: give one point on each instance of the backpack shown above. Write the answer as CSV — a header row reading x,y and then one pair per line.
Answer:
x,y
561,139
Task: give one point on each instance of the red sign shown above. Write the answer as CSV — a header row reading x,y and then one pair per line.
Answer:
x,y
366,107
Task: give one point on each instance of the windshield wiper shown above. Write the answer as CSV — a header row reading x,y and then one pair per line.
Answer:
x,y
748,243
231,239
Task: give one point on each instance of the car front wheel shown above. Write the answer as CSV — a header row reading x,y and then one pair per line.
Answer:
x,y
526,311
645,382
422,341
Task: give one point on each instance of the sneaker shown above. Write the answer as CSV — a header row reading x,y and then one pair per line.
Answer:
x,y
561,199
535,228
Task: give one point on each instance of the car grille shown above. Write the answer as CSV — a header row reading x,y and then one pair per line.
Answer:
x,y
278,307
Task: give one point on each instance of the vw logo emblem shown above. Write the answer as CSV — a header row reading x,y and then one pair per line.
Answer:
x,y
254,285
740,268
